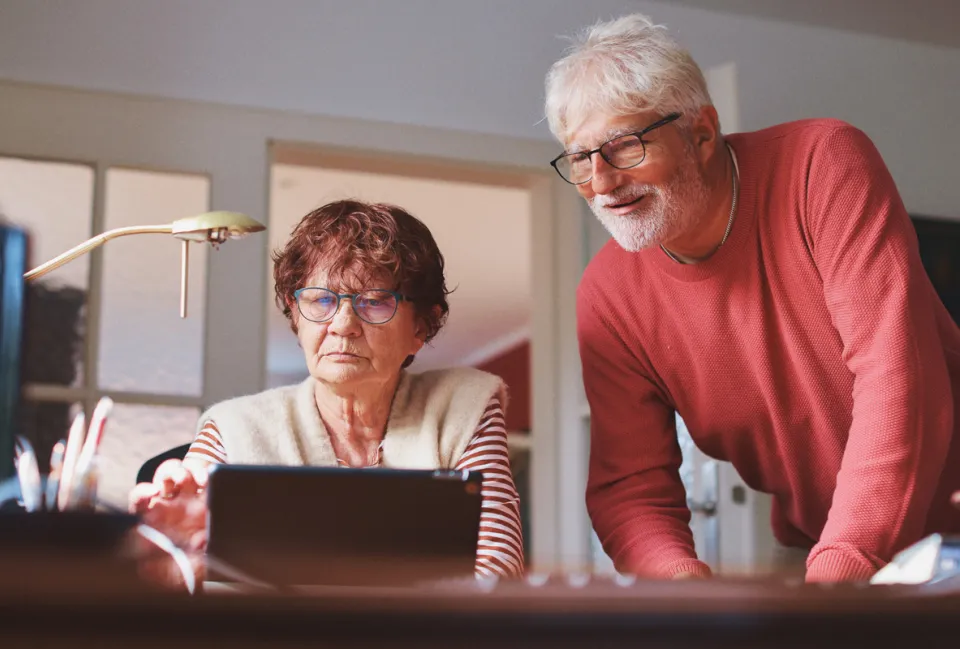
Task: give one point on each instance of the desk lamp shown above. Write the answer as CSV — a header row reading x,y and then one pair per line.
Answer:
x,y
212,227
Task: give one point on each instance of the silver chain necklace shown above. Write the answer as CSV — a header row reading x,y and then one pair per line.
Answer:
x,y
733,205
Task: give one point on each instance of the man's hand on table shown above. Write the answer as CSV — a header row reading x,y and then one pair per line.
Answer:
x,y
689,575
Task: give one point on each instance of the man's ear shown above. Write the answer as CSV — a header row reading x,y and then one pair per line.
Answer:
x,y
706,131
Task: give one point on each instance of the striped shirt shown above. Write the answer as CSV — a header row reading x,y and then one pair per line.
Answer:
x,y
500,543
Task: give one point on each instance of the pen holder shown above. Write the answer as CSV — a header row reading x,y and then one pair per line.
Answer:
x,y
81,552
82,496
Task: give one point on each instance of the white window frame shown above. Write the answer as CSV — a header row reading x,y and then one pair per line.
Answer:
x,y
89,392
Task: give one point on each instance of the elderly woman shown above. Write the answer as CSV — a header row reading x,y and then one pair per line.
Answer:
x,y
363,287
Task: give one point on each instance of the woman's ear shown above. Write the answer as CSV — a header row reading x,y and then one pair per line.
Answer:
x,y
420,335
419,340
423,328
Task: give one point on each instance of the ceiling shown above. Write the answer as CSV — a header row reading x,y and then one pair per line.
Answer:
x,y
461,64
935,22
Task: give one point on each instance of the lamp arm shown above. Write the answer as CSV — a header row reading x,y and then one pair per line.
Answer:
x,y
94,242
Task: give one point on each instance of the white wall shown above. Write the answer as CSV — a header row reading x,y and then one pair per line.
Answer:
x,y
930,21
905,96
447,63
479,66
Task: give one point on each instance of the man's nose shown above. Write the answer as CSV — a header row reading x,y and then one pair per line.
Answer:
x,y
605,176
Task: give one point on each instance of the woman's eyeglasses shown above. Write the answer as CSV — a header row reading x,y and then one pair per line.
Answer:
x,y
373,306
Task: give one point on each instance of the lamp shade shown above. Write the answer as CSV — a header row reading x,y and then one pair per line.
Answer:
x,y
216,225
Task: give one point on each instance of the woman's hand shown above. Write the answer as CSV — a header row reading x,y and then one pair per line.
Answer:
x,y
174,504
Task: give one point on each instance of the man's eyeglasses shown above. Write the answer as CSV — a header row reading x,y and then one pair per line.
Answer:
x,y
622,152
373,306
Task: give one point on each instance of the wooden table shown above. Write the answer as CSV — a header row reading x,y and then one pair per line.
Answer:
x,y
556,614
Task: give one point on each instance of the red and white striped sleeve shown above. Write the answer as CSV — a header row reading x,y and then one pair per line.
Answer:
x,y
500,543
208,445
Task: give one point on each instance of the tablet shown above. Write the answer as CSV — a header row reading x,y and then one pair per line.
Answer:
x,y
305,526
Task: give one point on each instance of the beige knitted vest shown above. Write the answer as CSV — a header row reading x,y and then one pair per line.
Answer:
x,y
432,419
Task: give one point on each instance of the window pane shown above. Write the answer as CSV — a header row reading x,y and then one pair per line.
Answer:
x,y
133,435
688,450
53,201
144,344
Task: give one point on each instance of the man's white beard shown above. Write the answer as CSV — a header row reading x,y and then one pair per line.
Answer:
x,y
665,211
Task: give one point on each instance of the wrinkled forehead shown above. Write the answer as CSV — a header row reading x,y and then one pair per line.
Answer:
x,y
598,127
350,278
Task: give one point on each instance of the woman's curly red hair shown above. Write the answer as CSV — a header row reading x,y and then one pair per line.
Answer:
x,y
357,243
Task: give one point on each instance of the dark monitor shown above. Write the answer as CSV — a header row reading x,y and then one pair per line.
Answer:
x,y
13,261
939,241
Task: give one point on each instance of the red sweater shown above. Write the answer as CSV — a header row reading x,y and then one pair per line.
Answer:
x,y
810,350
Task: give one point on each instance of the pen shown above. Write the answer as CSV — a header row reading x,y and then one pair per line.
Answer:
x,y
28,472
83,484
97,423
53,479
70,456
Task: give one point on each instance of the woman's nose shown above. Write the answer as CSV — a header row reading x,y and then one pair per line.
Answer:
x,y
345,321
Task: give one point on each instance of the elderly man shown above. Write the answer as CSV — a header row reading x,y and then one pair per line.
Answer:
x,y
768,287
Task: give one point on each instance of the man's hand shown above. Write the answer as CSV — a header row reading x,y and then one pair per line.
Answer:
x,y
688,575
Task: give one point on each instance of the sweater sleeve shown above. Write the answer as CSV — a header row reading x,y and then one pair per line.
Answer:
x,y
635,497
882,304
500,541
208,445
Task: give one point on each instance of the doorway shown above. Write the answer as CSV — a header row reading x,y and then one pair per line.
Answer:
x,y
482,224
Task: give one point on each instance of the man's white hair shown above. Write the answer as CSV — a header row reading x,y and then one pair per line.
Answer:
x,y
622,67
